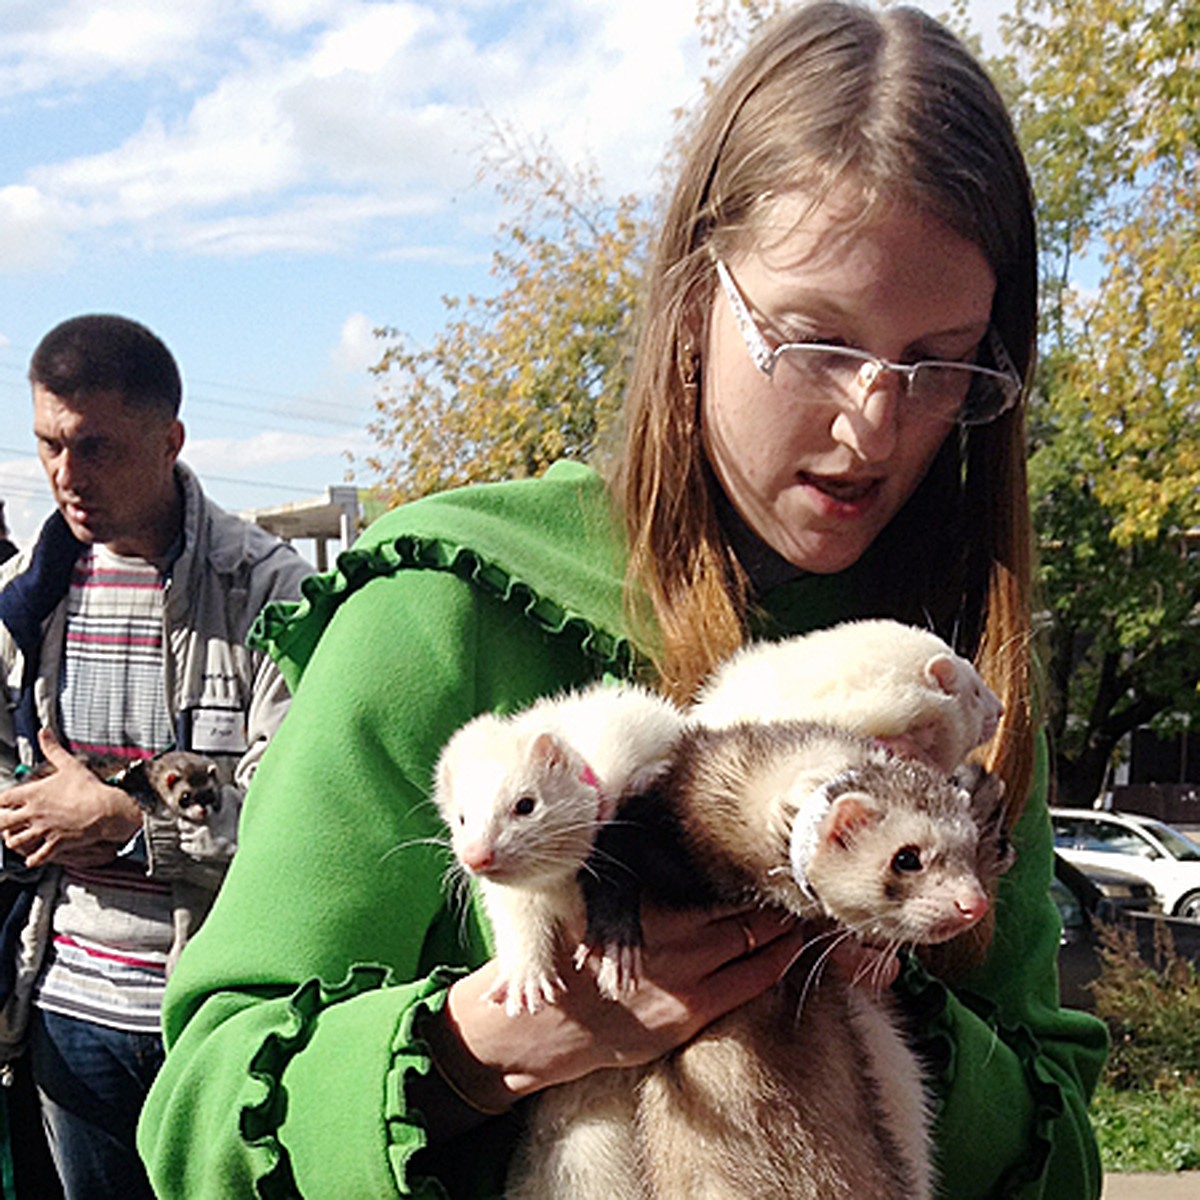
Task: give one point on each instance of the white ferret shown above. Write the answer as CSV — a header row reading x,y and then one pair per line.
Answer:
x,y
879,678
524,796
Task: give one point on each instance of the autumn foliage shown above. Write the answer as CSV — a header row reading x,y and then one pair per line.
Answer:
x,y
1106,96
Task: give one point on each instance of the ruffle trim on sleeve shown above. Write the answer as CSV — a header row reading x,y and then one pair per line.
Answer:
x,y
410,1057
259,1120
925,1002
288,630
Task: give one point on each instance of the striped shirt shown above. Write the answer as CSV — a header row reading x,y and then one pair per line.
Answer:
x,y
112,924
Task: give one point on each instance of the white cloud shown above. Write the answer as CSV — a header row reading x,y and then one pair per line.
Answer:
x,y
358,348
32,230
26,496
369,43
269,447
72,43
384,102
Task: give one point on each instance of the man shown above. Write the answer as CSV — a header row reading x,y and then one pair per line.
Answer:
x,y
7,547
122,632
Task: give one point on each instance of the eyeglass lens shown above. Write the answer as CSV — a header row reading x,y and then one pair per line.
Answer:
x,y
944,391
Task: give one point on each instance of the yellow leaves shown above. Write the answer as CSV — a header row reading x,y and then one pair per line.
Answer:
x,y
534,373
1111,120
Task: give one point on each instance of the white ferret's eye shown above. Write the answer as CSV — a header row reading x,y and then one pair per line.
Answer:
x,y
524,806
907,860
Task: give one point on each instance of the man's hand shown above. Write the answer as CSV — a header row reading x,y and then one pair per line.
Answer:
x,y
69,817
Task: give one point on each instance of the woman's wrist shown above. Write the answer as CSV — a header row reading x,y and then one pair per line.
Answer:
x,y
474,1082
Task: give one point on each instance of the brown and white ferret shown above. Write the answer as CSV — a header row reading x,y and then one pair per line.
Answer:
x,y
810,1091
186,785
524,796
180,781
881,678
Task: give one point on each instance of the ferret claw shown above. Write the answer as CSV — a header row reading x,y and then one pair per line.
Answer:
x,y
620,970
529,994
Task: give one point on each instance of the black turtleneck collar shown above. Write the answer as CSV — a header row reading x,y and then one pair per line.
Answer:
x,y
765,567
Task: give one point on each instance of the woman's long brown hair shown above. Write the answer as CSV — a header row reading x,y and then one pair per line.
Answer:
x,y
891,102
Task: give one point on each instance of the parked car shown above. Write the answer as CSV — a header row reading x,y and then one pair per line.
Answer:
x,y
1161,855
1120,892
1084,907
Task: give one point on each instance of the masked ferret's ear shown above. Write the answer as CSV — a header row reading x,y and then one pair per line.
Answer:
x,y
849,815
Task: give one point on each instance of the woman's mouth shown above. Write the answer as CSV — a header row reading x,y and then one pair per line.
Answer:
x,y
844,493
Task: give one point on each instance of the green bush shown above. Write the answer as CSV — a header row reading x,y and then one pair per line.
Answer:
x,y
1152,1011
1145,1110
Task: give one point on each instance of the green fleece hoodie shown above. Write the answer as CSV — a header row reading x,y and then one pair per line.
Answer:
x,y
290,1019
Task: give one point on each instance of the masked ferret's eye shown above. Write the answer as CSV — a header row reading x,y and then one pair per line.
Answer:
x,y
907,860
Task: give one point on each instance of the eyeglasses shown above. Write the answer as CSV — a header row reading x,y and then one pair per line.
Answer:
x,y
940,391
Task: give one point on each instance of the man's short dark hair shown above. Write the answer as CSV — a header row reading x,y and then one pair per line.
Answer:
x,y
105,353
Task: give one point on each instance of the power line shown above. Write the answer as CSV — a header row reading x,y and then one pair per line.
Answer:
x,y
191,398
23,488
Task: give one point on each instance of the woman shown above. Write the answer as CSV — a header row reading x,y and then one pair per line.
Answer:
x,y
852,203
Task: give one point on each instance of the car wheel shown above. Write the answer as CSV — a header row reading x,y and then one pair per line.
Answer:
x,y
1189,906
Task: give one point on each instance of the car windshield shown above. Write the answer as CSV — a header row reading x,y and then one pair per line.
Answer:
x,y
1100,835
1176,844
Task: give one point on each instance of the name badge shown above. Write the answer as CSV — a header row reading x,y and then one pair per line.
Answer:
x,y
218,731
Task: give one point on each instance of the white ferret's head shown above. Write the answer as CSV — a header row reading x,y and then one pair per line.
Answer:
x,y
957,677
522,807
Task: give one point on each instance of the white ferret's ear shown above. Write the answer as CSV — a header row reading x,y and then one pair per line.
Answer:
x,y
942,671
443,779
848,816
549,752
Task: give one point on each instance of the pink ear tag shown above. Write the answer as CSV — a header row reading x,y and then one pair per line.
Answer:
x,y
605,808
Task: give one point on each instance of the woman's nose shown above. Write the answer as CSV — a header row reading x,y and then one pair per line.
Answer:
x,y
867,417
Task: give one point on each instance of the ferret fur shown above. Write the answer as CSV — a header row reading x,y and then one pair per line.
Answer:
x,y
810,1090
184,784
524,796
180,781
880,678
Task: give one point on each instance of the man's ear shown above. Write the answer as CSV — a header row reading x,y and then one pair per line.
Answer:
x,y
175,437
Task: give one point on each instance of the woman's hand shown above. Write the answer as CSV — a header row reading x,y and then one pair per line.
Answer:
x,y
696,966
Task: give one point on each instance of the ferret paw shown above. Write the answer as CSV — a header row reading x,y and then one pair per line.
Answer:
x,y
619,971
529,993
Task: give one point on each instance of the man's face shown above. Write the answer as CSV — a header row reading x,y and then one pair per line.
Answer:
x,y
110,467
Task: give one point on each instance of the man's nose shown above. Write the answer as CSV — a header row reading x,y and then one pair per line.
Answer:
x,y
67,470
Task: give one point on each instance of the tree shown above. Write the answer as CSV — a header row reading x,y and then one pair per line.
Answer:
x,y
1110,115
517,380
536,372
1107,99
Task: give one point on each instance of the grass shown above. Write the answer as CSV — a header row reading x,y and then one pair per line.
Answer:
x,y
1147,1131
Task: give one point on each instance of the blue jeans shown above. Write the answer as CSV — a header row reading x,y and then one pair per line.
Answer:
x,y
92,1082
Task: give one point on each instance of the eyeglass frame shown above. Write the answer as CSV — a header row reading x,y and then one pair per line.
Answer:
x,y
766,359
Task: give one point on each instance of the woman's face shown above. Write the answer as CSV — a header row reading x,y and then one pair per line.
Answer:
x,y
818,477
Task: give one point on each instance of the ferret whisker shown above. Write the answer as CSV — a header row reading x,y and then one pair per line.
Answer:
x,y
439,842
836,937
602,855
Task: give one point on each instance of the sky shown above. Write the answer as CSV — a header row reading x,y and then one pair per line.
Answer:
x,y
266,182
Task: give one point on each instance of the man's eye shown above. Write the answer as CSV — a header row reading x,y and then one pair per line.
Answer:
x,y
93,450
